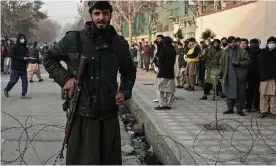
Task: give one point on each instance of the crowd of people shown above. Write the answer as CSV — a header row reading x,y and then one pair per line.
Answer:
x,y
21,61
233,67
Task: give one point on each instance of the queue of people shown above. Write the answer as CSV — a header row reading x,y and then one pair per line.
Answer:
x,y
233,67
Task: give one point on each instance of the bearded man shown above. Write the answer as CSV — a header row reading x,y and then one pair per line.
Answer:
x,y
95,134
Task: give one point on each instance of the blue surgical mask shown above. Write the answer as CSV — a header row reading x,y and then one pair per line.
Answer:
x,y
271,46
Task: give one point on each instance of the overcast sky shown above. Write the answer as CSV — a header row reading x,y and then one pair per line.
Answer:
x,y
63,11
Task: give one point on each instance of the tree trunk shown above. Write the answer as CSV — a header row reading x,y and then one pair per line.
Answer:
x,y
121,29
149,26
130,30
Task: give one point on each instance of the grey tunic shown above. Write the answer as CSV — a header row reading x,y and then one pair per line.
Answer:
x,y
233,89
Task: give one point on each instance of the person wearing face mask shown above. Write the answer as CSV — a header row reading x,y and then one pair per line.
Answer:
x,y
19,56
267,61
95,135
233,72
44,49
253,77
212,66
224,43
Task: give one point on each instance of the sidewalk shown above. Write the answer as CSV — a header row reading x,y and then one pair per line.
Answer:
x,y
178,135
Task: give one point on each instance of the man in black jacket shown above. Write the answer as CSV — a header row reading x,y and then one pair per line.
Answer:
x,y
19,56
33,67
253,76
165,83
267,61
95,135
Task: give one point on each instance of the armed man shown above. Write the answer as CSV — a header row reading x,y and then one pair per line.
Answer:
x,y
93,56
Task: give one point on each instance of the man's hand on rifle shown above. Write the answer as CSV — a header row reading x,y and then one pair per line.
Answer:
x,y
120,99
70,86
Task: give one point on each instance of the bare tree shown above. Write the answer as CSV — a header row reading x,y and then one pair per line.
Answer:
x,y
21,16
117,21
83,12
130,9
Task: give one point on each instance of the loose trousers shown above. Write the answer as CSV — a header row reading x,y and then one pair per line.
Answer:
x,y
165,98
146,59
34,69
231,103
181,79
253,94
15,74
267,101
94,142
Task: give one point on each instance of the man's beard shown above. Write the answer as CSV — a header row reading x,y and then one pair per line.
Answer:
x,y
102,24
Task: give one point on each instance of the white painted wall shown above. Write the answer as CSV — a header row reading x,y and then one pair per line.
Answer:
x,y
256,19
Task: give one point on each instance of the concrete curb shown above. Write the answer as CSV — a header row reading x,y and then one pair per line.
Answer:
x,y
164,148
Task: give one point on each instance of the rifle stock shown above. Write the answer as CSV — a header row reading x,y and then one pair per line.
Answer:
x,y
82,66
73,103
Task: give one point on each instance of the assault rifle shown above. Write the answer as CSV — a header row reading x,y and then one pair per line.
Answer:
x,y
73,104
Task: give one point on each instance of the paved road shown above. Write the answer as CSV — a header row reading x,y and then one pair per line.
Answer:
x,y
44,112
246,140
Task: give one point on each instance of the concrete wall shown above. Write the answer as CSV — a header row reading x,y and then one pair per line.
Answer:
x,y
252,20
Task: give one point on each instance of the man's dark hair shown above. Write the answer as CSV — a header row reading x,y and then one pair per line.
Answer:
x,y
161,36
237,39
244,40
19,36
179,44
230,39
100,5
224,38
202,42
272,38
255,41
217,40
192,39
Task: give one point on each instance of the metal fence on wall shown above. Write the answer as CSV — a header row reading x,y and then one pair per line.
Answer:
x,y
172,9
